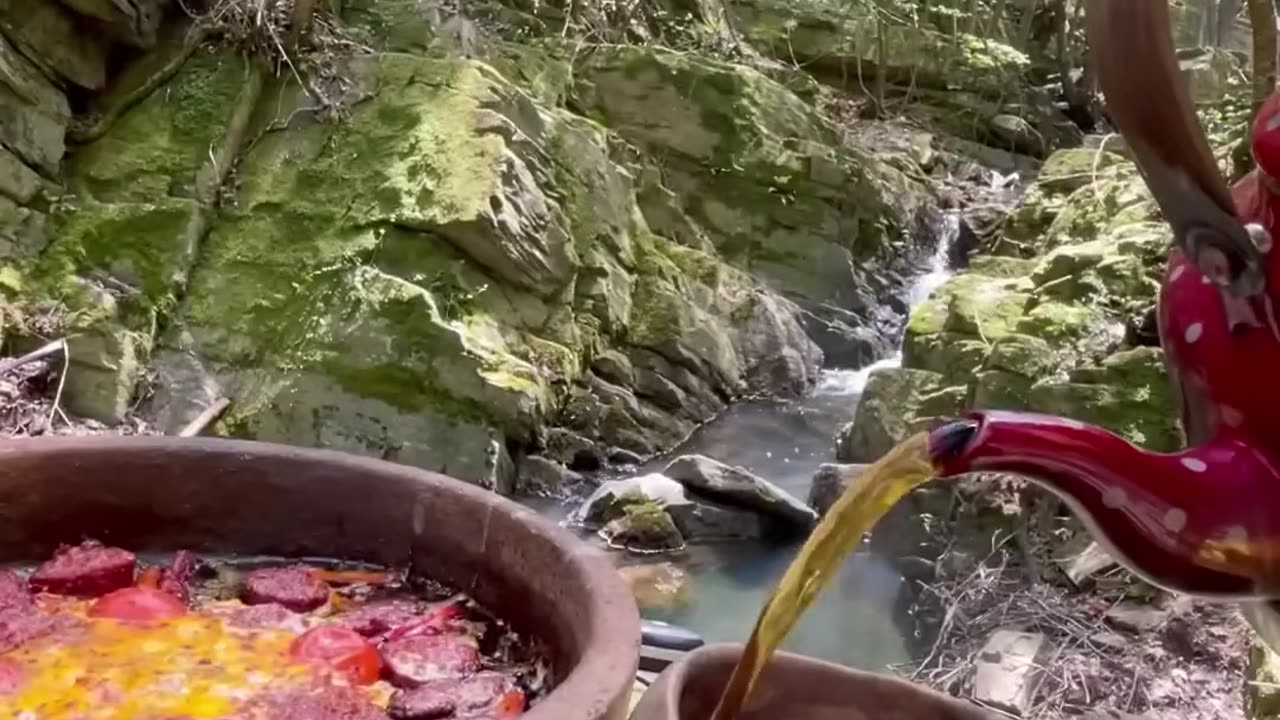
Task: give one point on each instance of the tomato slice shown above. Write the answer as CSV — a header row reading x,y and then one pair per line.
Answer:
x,y
510,704
138,604
339,649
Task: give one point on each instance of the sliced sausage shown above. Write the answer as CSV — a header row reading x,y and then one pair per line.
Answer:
x,y
378,618
265,617
292,587
89,569
481,692
14,594
413,661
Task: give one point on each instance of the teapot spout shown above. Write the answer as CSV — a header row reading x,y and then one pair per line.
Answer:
x,y
1204,521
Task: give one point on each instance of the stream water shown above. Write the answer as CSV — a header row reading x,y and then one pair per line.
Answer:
x,y
853,620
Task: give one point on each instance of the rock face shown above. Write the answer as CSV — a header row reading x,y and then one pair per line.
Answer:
x,y
1038,321
461,266
737,486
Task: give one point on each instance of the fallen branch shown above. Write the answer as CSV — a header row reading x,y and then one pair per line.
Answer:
x,y
206,418
53,348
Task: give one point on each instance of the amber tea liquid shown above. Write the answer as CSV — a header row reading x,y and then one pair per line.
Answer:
x,y
862,504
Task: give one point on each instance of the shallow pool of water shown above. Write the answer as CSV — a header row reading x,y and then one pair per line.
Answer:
x,y
853,621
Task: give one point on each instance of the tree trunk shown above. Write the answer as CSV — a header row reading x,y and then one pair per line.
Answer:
x,y
1226,21
996,27
1262,24
303,11
1208,22
1027,25
1060,43
970,16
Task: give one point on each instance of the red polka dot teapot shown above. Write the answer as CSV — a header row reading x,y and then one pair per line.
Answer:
x,y
1205,520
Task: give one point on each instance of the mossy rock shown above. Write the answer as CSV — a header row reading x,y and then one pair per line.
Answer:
x,y
831,41
157,148
644,528
896,403
1071,169
1059,322
954,355
1000,390
1129,394
367,256
1001,267
1023,355
984,307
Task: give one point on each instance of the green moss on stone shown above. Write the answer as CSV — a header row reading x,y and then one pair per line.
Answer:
x,y
156,148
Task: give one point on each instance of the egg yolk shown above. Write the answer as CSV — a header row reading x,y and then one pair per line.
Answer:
x,y
194,666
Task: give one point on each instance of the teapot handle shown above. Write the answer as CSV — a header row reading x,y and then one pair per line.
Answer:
x,y
1131,44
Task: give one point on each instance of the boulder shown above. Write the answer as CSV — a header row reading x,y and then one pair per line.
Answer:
x,y
829,483
537,475
737,486
643,528
572,450
779,357
1208,73
611,498
829,41
698,519
1129,394
54,39
1008,669
896,403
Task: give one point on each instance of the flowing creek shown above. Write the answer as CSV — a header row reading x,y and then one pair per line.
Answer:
x,y
854,621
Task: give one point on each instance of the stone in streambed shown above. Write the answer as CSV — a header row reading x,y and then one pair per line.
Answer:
x,y
829,483
1137,616
1008,669
643,528
736,485
541,476
697,519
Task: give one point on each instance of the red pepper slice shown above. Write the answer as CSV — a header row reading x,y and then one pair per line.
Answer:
x,y
432,622
352,577
339,649
138,604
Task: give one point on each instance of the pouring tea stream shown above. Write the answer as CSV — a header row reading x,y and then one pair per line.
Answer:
x,y
1204,521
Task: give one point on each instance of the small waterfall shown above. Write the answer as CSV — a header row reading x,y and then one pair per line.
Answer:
x,y
852,382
